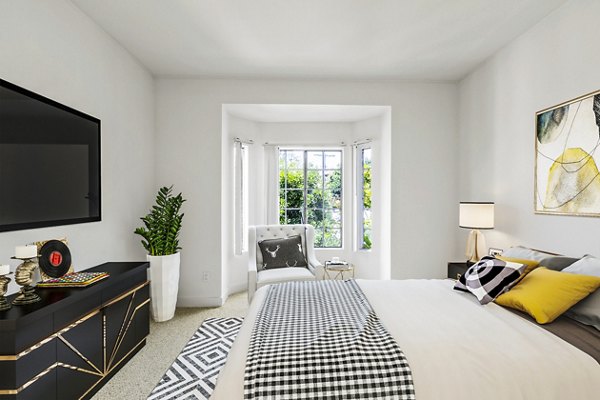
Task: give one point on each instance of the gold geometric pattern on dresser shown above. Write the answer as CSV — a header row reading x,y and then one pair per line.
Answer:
x,y
107,360
93,346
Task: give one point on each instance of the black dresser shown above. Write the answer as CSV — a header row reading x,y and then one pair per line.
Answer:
x,y
69,344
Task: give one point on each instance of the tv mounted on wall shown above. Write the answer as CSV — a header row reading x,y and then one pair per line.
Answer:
x,y
49,162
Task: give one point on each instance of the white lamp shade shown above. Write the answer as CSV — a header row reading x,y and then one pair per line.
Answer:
x,y
476,215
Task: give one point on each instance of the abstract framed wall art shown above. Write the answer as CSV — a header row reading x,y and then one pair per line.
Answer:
x,y
567,158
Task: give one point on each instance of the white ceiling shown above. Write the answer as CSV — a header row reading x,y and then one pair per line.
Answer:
x,y
345,39
304,112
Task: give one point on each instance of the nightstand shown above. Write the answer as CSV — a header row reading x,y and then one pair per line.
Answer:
x,y
457,269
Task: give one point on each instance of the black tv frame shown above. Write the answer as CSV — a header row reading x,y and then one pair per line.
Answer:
x,y
58,222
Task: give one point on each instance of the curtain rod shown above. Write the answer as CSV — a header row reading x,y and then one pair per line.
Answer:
x,y
361,141
247,141
304,144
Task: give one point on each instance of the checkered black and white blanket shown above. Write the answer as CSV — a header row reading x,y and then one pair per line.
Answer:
x,y
322,340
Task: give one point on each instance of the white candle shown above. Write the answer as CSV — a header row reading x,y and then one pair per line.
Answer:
x,y
29,251
4,269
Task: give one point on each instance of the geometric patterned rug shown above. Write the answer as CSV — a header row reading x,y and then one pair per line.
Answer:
x,y
193,374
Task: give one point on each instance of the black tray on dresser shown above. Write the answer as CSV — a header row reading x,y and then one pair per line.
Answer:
x,y
70,343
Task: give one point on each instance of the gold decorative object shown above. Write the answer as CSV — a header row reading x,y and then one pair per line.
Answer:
x,y
24,278
4,281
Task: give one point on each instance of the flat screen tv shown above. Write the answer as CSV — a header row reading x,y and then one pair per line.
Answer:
x,y
49,162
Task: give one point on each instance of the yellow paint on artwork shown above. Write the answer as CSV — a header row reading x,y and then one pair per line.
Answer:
x,y
573,183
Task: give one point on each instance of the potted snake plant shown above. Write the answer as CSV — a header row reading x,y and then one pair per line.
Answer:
x,y
160,237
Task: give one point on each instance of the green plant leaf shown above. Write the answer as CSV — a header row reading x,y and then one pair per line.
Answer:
x,y
162,224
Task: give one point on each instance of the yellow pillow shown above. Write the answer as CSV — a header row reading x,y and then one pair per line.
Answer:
x,y
546,294
531,264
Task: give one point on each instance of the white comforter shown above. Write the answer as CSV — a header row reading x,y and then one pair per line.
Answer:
x,y
456,348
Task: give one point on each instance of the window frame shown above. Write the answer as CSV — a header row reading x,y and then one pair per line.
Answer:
x,y
360,194
304,211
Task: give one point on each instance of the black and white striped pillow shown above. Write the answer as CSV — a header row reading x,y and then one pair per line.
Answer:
x,y
489,278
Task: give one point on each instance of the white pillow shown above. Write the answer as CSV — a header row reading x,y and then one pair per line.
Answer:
x,y
588,265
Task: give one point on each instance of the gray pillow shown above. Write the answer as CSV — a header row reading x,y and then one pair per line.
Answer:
x,y
525,253
587,311
282,253
557,263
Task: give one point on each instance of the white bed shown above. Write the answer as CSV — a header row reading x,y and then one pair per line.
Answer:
x,y
456,348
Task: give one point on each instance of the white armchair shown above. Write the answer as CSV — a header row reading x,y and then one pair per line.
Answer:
x,y
258,276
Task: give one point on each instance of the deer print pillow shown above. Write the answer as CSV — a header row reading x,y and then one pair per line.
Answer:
x,y
282,253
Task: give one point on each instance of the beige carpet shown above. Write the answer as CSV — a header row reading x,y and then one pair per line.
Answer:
x,y
139,376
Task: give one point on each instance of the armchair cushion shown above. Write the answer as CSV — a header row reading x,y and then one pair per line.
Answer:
x,y
277,275
282,252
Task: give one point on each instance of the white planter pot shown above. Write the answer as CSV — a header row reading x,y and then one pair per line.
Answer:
x,y
164,284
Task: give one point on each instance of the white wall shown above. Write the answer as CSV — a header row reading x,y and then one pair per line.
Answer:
x,y
375,263
555,61
338,135
234,275
423,157
52,48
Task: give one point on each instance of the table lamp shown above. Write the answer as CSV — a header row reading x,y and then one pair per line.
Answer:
x,y
475,216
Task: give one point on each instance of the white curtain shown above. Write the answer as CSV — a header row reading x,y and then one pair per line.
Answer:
x,y
239,201
272,183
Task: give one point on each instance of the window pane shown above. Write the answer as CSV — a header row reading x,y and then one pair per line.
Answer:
x,y
314,199
333,218
314,179
333,182
282,220
367,156
294,199
282,202
367,178
282,157
332,238
318,238
367,239
315,217
295,159
331,200
333,159
315,159
366,223
294,179
293,217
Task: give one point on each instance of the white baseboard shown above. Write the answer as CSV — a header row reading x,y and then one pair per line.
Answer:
x,y
196,301
237,289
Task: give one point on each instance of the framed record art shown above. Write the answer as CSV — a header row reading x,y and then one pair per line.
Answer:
x,y
567,158
54,258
